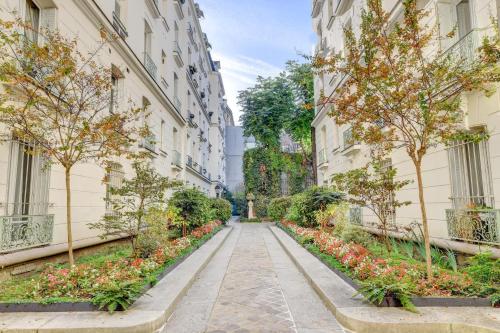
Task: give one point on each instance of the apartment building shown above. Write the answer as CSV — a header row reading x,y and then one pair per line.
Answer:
x,y
161,60
463,177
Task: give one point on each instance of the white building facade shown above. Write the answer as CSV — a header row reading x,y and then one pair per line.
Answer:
x,y
162,60
455,178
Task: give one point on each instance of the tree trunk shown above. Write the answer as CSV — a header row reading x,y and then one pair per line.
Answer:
x,y
425,224
68,217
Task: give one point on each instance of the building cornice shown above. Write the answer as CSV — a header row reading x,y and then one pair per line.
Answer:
x,y
94,12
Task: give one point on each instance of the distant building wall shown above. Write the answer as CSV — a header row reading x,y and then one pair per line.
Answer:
x,y
235,147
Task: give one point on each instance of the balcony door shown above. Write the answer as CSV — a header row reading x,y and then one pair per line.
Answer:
x,y
454,15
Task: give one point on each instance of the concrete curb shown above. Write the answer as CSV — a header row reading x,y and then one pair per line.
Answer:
x,y
148,314
357,315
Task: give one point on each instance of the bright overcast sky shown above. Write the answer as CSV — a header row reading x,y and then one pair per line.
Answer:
x,y
255,37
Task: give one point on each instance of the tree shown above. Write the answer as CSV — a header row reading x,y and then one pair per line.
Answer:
x,y
266,108
131,202
374,190
59,99
193,207
400,90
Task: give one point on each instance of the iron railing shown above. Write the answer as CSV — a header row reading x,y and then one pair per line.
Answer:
x,y
177,103
356,215
150,65
474,225
189,162
177,49
466,48
322,158
25,231
349,140
176,158
149,143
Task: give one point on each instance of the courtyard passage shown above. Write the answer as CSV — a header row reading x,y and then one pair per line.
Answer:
x,y
251,285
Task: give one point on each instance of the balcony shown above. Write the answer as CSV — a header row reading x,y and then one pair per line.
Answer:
x,y
176,160
23,232
150,65
149,143
119,26
178,54
164,84
465,49
322,159
350,144
474,225
189,162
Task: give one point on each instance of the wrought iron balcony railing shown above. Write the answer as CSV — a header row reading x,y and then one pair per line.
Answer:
x,y
150,65
176,158
322,158
26,231
466,48
149,143
189,162
118,25
474,225
178,54
177,103
349,140
356,215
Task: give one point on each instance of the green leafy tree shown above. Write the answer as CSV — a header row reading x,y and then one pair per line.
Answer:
x,y
396,92
220,209
374,190
131,202
193,207
58,99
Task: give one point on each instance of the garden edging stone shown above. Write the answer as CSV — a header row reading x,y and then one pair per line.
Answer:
x,y
356,314
148,314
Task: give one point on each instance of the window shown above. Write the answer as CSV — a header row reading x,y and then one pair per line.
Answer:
x,y
163,136
176,30
32,19
116,94
176,85
463,18
470,175
163,62
148,36
28,182
114,179
175,139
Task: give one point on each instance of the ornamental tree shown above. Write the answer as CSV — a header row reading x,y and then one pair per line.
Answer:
x,y
400,90
375,188
59,98
131,201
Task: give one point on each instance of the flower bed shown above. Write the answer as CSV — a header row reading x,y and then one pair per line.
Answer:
x,y
112,284
379,277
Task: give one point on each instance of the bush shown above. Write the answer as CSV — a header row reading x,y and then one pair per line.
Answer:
x,y
335,214
260,205
355,234
484,268
221,209
305,205
278,208
193,205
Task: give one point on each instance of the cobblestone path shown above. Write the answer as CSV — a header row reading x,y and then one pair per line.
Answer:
x,y
251,286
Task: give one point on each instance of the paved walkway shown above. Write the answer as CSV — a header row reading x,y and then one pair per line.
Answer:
x,y
251,286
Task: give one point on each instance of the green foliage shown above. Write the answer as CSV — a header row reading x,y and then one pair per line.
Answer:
x,y
260,205
305,205
117,295
278,208
355,234
220,209
483,268
193,205
375,290
132,200
241,203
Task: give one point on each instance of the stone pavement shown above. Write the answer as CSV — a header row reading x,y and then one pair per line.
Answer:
x,y
251,286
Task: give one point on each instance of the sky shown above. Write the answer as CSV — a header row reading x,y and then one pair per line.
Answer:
x,y
255,37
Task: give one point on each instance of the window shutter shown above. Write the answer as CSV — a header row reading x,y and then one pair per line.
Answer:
x,y
447,22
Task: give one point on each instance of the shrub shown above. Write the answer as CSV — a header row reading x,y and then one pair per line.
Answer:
x,y
305,205
334,214
260,205
117,295
483,268
355,234
221,209
278,208
193,205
